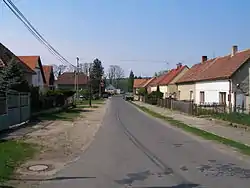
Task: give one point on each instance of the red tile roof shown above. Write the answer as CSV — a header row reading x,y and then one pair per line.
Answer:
x,y
146,83
33,62
157,80
68,78
6,56
218,68
47,69
171,75
139,82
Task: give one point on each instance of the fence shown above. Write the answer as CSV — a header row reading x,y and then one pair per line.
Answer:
x,y
188,107
14,109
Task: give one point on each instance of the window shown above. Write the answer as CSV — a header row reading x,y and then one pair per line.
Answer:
x,y
202,97
222,97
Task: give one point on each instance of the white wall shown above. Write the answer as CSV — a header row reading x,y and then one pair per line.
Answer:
x,y
37,79
153,88
211,90
164,90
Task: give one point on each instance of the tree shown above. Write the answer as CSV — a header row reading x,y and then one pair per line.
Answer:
x,y
12,78
131,81
115,73
58,69
161,72
96,73
84,67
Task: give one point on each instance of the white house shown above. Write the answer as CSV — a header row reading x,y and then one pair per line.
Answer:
x,y
34,62
223,80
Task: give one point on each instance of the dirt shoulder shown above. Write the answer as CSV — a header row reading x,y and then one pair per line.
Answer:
x,y
60,143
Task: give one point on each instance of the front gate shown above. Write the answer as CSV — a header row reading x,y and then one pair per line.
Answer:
x,y
14,109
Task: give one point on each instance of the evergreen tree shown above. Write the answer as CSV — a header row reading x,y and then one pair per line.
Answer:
x,y
12,78
96,74
131,81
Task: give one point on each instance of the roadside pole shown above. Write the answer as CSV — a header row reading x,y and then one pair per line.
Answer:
x,y
90,88
77,78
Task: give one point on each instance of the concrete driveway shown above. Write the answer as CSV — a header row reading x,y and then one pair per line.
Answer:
x,y
134,150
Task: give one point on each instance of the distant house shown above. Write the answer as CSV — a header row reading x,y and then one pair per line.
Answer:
x,y
223,80
110,89
49,76
141,83
6,56
167,83
66,81
34,63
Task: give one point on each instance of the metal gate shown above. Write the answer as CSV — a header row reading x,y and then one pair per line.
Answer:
x,y
14,109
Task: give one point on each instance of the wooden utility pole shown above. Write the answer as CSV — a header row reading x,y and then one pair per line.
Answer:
x,y
77,78
90,87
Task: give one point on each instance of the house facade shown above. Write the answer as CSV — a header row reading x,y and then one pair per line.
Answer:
x,y
6,56
222,80
34,62
167,84
66,81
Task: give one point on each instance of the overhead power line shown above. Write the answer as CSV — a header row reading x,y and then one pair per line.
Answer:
x,y
34,32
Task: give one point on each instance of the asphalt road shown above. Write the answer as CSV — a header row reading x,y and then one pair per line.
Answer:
x,y
133,150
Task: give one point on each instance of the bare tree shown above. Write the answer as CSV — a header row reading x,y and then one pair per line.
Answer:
x,y
58,69
115,72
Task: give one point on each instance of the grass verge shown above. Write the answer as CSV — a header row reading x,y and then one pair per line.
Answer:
x,y
86,102
12,154
204,134
64,115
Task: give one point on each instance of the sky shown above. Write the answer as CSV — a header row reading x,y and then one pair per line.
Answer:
x,y
154,34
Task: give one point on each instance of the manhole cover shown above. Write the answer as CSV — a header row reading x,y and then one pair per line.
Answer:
x,y
40,167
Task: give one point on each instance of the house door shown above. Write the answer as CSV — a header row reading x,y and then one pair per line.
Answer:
x,y
240,101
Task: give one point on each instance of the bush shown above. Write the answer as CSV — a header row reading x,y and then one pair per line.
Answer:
x,y
155,94
48,100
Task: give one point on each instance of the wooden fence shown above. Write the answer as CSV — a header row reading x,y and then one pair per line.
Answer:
x,y
188,107
14,109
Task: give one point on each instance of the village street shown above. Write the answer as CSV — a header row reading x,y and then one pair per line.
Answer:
x,y
132,149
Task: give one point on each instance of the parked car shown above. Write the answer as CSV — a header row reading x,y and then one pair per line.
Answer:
x,y
128,96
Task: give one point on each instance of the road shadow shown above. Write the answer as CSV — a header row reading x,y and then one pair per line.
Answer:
x,y
52,179
189,185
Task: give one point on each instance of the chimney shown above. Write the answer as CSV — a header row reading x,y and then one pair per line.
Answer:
x,y
234,50
179,65
203,59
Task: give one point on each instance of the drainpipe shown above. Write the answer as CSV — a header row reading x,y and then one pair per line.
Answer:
x,y
230,96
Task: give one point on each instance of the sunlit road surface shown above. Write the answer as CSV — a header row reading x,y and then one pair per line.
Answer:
x,y
133,150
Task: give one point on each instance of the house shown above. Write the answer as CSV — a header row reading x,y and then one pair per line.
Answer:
x,y
110,89
34,63
66,81
167,84
49,77
141,83
6,56
154,84
223,80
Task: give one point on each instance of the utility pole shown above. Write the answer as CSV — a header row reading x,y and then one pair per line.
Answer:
x,y
90,87
77,78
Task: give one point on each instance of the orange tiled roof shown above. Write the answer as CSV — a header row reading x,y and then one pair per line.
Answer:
x,y
47,69
157,80
171,75
139,82
218,68
33,62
